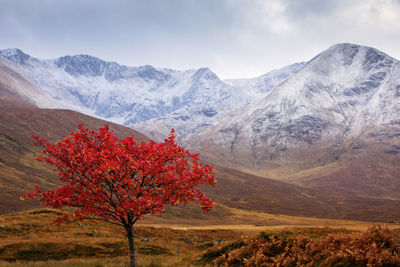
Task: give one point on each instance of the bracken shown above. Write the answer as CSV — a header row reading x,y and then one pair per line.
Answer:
x,y
378,246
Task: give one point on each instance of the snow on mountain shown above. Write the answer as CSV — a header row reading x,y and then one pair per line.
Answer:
x,y
344,92
153,100
15,85
334,97
203,112
258,87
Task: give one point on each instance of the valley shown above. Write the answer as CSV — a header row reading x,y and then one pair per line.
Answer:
x,y
314,144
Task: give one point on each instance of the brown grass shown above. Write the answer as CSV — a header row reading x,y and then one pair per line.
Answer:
x,y
31,236
18,169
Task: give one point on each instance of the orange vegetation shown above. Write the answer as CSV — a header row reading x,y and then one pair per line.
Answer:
x,y
375,247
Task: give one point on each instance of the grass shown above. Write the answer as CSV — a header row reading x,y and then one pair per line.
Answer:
x,y
30,239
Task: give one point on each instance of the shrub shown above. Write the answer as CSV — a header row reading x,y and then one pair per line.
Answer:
x,y
376,247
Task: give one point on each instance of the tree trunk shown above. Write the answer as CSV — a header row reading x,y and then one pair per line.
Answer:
x,y
129,233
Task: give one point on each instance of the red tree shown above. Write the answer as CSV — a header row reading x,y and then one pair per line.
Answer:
x,y
120,180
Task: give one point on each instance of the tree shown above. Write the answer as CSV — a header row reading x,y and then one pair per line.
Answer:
x,y
120,180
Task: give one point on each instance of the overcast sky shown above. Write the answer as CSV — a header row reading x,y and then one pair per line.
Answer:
x,y
234,38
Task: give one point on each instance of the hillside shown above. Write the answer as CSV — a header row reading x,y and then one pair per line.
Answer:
x,y
333,126
18,169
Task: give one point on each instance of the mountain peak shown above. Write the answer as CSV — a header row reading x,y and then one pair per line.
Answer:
x,y
78,59
205,73
344,45
345,54
11,51
349,48
342,51
15,55
148,72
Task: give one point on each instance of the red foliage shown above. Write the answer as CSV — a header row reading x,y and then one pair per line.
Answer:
x,y
120,180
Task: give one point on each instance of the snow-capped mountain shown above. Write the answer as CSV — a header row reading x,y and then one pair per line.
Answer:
x,y
152,99
199,116
345,92
334,97
330,124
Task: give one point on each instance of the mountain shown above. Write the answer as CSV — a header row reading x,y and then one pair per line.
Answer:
x,y
333,125
317,139
19,119
147,98
198,116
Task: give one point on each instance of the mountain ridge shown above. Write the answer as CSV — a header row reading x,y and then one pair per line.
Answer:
x,y
131,95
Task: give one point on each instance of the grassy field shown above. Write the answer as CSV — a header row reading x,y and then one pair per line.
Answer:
x,y
31,236
242,220
30,239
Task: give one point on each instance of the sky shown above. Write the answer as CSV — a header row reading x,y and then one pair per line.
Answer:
x,y
234,38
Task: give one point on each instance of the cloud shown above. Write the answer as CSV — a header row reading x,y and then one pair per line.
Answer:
x,y
298,10
235,38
